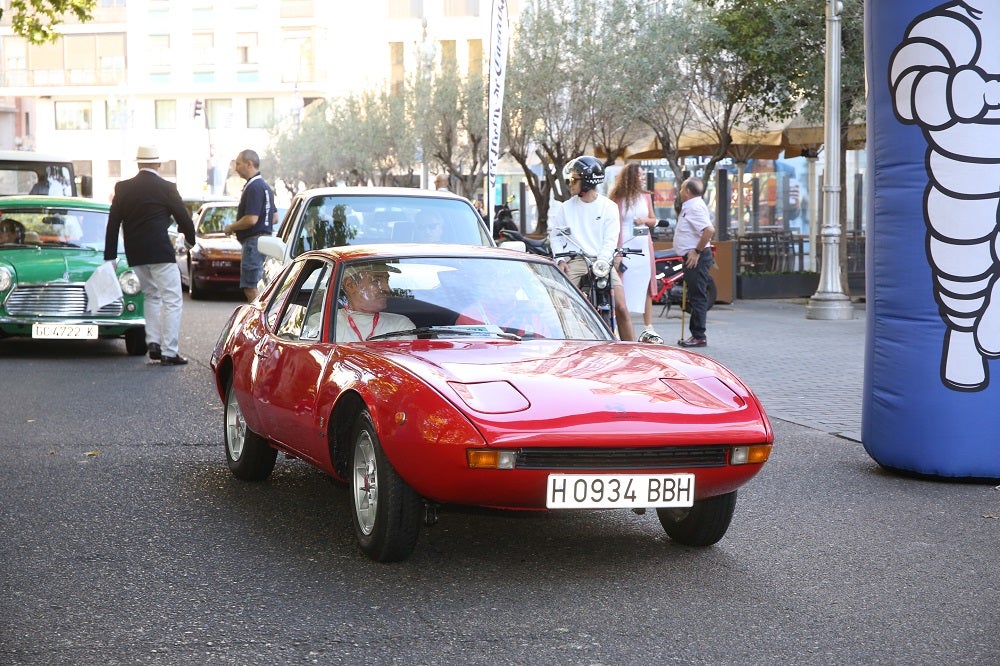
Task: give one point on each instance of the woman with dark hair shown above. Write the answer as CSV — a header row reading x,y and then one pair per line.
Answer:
x,y
635,208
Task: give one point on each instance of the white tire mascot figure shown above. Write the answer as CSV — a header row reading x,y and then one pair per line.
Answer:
x,y
945,78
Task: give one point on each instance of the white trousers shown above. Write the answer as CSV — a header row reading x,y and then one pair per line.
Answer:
x,y
161,286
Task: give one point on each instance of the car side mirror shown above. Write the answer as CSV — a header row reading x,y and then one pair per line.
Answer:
x,y
272,247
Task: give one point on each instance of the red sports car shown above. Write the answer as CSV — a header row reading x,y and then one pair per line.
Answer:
x,y
429,374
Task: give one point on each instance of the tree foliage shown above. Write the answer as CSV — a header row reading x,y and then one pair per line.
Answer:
x,y
547,76
379,136
784,42
664,106
38,20
588,77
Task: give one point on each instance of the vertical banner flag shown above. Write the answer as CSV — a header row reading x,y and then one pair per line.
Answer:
x,y
499,37
933,245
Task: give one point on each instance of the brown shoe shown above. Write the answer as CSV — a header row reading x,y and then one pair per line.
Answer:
x,y
693,342
173,360
154,351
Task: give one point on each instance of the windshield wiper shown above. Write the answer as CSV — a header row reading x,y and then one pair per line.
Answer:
x,y
445,331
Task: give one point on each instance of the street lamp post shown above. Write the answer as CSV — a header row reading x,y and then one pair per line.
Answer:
x,y
830,302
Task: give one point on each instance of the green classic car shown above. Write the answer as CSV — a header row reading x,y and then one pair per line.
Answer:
x,y
49,247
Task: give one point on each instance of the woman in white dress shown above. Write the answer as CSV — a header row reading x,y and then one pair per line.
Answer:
x,y
635,208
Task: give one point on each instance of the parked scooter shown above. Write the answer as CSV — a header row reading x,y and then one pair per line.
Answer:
x,y
596,284
534,246
670,282
503,219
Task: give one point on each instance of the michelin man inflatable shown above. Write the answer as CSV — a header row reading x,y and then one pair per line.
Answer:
x,y
933,277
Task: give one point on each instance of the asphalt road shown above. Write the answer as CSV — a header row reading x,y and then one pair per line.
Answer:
x,y
124,540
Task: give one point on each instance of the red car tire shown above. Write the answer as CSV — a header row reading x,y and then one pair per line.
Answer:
x,y
386,511
702,524
249,456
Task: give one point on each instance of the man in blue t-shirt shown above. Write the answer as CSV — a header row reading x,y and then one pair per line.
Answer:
x,y
255,217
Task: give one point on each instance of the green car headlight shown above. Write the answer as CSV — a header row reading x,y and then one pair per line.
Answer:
x,y
6,279
129,282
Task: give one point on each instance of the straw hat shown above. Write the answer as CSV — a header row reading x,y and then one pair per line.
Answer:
x,y
148,155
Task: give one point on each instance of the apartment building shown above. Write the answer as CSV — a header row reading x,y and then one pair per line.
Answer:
x,y
203,79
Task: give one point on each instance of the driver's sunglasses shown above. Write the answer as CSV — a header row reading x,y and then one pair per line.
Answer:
x,y
573,179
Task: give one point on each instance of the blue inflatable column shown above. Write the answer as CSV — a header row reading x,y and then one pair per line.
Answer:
x,y
933,253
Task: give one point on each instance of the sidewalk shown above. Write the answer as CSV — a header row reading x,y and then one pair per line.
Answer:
x,y
805,371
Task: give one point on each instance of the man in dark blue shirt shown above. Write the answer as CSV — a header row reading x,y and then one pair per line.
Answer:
x,y
255,217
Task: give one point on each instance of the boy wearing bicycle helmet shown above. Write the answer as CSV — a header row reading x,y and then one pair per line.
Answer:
x,y
594,226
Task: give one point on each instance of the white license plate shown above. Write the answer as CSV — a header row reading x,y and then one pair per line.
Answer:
x,y
614,491
64,331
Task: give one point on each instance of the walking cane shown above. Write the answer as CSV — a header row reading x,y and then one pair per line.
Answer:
x,y
684,295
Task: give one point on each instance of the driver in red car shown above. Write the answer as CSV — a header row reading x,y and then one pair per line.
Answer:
x,y
367,289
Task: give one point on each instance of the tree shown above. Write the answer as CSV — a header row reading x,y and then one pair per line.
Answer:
x,y
38,20
785,41
724,80
777,42
376,137
615,94
586,78
665,106
474,124
300,152
549,106
452,124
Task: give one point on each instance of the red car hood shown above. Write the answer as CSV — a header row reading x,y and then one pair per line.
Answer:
x,y
575,387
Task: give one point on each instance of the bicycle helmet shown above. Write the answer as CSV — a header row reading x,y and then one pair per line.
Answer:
x,y
588,169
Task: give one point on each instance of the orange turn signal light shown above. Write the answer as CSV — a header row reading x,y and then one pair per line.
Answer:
x,y
490,459
754,454
483,459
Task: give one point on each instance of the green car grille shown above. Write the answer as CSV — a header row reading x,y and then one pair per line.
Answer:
x,y
55,300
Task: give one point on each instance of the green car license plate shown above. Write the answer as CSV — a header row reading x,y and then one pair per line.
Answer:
x,y
64,331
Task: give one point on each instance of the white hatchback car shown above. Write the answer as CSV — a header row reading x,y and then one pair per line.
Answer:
x,y
338,216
